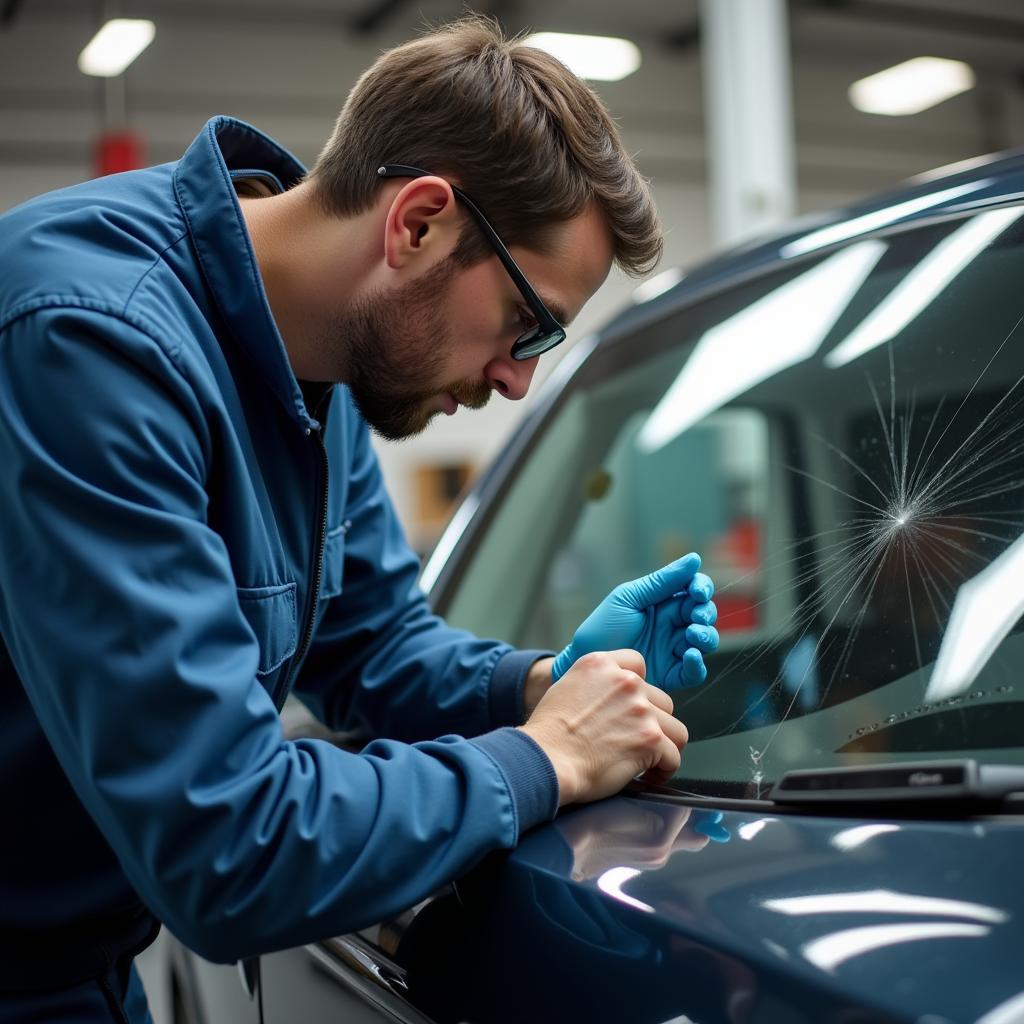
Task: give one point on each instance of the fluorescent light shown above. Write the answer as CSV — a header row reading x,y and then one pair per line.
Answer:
x,y
832,950
657,285
985,610
912,86
850,838
917,290
876,219
600,58
612,882
883,901
1010,1012
785,327
115,46
749,829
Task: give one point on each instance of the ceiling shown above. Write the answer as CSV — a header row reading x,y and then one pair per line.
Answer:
x,y
287,68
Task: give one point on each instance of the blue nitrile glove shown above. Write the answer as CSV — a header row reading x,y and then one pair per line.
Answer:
x,y
709,823
667,616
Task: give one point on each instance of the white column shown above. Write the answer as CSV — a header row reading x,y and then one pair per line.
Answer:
x,y
749,116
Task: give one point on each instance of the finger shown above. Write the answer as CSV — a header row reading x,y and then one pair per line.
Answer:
x,y
674,730
709,823
672,579
687,669
693,671
689,609
668,759
656,776
659,698
687,842
704,638
678,821
705,613
702,587
632,661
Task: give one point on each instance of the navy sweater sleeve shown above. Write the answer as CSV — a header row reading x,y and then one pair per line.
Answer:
x,y
122,620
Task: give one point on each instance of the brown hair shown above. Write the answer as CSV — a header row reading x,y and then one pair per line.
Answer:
x,y
527,139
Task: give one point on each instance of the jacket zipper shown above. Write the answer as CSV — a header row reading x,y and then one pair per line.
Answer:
x,y
318,567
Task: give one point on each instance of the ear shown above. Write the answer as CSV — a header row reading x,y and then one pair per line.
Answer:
x,y
422,220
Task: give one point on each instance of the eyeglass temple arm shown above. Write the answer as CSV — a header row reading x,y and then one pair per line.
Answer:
x,y
405,171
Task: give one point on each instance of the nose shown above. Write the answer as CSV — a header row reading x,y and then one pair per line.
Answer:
x,y
511,377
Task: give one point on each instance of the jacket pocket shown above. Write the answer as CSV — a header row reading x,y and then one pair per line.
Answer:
x,y
334,561
271,613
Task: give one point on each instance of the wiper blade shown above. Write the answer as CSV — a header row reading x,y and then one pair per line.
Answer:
x,y
938,781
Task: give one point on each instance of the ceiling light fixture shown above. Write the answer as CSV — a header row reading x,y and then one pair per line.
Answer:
x,y
115,46
912,86
599,58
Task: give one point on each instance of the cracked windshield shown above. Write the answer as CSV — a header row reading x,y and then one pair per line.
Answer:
x,y
842,442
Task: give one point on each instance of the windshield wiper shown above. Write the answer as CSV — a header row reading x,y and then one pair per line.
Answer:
x,y
903,782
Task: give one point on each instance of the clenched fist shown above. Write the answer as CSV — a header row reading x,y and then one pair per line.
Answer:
x,y
603,725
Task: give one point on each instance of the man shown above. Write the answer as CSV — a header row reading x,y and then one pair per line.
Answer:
x,y
195,525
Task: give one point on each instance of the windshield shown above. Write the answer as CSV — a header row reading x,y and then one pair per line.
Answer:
x,y
842,441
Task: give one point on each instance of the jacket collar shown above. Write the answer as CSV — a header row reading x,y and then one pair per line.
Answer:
x,y
206,194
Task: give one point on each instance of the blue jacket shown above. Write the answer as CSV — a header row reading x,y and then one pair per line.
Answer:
x,y
183,543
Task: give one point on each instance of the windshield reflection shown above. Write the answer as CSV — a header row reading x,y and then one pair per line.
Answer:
x,y
985,610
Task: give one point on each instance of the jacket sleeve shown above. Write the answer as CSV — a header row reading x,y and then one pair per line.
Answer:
x,y
381,662
119,609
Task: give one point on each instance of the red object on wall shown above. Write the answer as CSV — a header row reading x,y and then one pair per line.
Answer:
x,y
118,151
736,612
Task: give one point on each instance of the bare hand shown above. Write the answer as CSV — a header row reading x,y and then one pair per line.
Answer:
x,y
603,725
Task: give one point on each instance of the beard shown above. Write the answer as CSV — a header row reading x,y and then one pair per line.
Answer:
x,y
395,348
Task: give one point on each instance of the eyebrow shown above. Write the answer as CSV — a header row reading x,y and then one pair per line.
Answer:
x,y
557,310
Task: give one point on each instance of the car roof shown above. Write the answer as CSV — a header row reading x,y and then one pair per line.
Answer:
x,y
977,183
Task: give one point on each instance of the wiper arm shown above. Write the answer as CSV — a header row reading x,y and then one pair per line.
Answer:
x,y
902,782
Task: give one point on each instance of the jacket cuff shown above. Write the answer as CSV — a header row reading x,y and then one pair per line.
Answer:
x,y
530,776
508,680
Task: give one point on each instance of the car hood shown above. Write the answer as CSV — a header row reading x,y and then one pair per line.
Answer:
x,y
649,911
911,918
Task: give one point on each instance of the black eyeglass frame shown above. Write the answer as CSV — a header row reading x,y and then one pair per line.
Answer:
x,y
548,332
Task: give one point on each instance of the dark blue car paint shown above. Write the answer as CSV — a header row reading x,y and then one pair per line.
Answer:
x,y
529,941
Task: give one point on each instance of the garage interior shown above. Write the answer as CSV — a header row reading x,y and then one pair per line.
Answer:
x,y
739,112
287,68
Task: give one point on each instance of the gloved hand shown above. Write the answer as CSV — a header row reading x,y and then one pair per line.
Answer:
x,y
667,616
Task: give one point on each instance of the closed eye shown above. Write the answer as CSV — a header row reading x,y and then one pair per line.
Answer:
x,y
527,321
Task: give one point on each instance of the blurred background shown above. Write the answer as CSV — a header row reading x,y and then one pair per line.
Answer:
x,y
741,112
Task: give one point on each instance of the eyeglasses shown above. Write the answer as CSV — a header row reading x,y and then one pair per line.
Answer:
x,y
548,332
